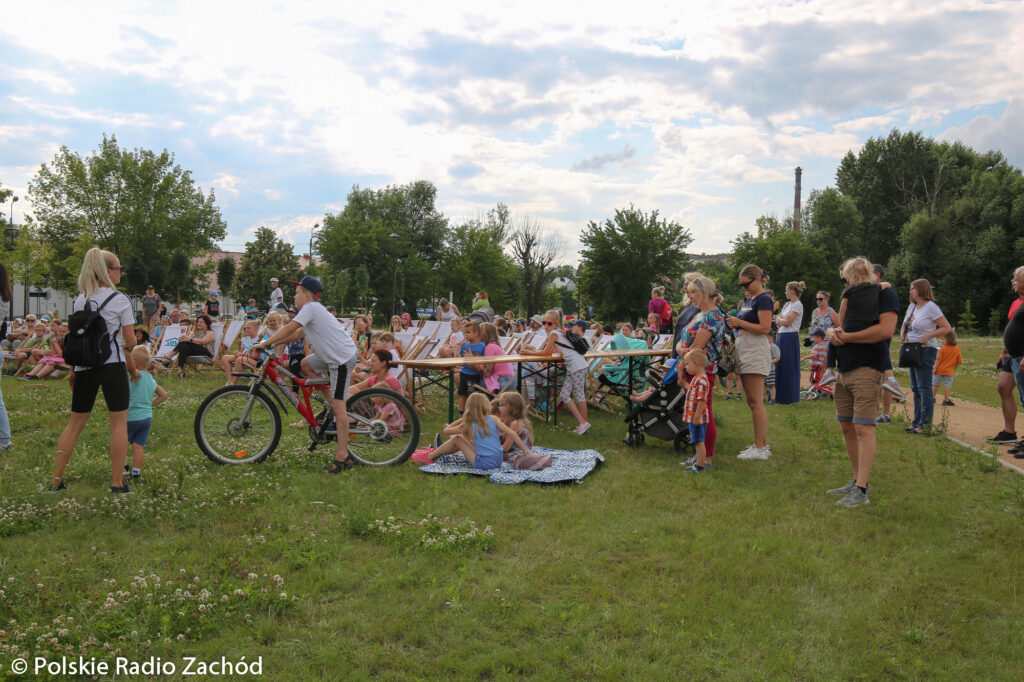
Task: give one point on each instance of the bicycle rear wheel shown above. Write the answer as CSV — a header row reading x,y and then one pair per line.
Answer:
x,y
226,438
383,427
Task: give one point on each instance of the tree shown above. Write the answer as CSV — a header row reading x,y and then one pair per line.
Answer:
x,y
474,259
782,251
832,222
225,274
617,251
967,325
265,256
360,236
133,203
535,254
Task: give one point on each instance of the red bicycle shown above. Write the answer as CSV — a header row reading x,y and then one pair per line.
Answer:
x,y
241,424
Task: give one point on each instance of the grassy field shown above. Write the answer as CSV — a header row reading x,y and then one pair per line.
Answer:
x,y
976,378
749,571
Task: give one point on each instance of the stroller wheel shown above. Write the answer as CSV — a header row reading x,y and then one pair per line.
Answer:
x,y
682,441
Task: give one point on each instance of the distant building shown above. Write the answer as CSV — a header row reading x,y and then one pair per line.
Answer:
x,y
723,258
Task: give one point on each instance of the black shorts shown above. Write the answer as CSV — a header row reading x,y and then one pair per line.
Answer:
x,y
468,380
1007,365
112,378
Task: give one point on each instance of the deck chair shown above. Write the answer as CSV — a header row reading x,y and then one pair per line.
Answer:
x,y
429,328
198,361
617,383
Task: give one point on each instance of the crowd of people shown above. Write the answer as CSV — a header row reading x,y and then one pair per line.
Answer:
x,y
752,348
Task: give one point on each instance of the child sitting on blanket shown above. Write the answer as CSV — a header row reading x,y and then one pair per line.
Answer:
x,y
510,408
476,435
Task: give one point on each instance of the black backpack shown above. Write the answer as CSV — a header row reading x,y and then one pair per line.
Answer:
x,y
87,343
579,344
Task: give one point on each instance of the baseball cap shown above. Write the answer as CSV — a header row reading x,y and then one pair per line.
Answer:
x,y
310,284
149,287
578,323
45,318
214,293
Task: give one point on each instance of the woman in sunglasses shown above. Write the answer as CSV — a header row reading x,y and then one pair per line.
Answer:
x,y
574,388
752,324
101,273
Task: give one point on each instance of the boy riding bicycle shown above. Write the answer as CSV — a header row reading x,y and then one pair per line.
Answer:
x,y
334,354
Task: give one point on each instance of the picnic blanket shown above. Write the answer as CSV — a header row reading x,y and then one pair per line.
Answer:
x,y
570,465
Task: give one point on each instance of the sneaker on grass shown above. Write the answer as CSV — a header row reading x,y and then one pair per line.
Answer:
x,y
845,490
883,419
893,387
854,498
754,452
694,470
692,462
1003,437
829,377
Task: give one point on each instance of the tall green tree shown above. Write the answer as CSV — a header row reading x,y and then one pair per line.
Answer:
x,y
786,255
265,256
226,270
625,254
832,222
360,236
474,259
134,203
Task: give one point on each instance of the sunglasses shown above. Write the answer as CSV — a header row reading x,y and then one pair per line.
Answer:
x,y
821,299
548,324
120,268
747,283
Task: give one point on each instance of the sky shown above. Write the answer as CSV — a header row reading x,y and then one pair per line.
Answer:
x,y
564,111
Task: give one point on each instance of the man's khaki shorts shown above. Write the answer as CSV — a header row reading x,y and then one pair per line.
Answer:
x,y
857,395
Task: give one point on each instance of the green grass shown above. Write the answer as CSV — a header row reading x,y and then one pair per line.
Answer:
x,y
975,379
750,571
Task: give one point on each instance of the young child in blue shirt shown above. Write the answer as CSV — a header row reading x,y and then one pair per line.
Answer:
x,y
468,374
144,395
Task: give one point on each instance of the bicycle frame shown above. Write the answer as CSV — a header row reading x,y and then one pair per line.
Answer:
x,y
279,377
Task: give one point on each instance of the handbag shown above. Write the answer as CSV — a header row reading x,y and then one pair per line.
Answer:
x,y
910,351
910,354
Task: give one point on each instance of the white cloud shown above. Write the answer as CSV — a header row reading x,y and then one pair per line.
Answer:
x,y
703,101
984,133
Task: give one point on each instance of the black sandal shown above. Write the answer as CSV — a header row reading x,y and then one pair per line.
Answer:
x,y
340,465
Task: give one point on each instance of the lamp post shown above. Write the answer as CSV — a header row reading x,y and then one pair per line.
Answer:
x,y
315,225
10,230
394,263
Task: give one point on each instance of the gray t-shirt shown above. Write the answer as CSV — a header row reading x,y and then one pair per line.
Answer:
x,y
150,304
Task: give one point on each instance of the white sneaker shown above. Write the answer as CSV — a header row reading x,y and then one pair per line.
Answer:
x,y
761,453
829,377
582,428
746,453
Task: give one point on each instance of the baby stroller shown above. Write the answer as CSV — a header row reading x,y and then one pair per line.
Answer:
x,y
816,390
661,414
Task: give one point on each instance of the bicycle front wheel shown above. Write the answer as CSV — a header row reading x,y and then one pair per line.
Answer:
x,y
226,438
383,427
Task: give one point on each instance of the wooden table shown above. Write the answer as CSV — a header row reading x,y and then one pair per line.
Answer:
x,y
550,363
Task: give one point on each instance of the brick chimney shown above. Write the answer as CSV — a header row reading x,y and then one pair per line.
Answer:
x,y
796,199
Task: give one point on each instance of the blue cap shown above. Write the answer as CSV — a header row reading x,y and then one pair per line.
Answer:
x,y
214,293
578,323
310,284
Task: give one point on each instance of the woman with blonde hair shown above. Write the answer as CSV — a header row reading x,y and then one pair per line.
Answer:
x,y
787,372
101,272
575,386
752,324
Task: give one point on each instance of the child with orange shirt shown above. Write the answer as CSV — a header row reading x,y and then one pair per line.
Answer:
x,y
945,366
